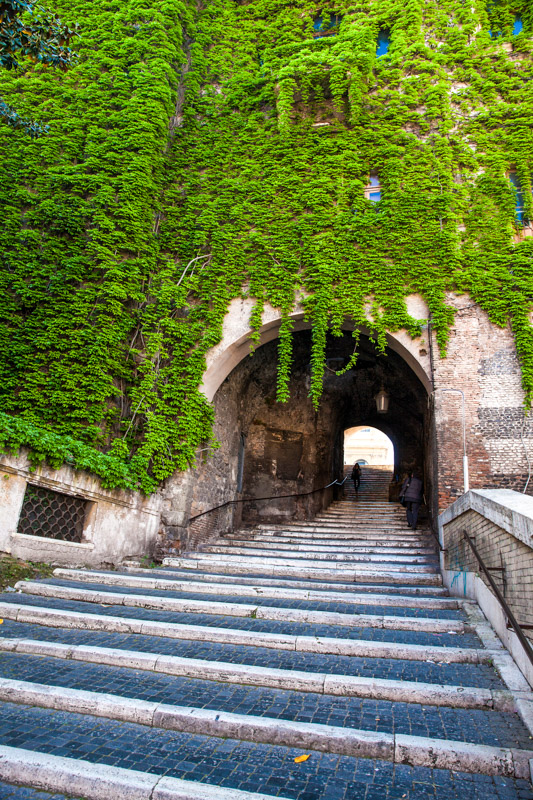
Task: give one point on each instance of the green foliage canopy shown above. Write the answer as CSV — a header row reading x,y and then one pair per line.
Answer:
x,y
199,155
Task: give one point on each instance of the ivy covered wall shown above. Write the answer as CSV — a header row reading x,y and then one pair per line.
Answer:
x,y
198,153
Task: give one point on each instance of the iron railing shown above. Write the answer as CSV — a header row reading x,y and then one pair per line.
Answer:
x,y
511,619
207,522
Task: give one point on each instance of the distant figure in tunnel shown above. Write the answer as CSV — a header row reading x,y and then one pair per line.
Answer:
x,y
411,495
356,476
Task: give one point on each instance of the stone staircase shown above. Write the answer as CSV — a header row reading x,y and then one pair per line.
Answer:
x,y
208,678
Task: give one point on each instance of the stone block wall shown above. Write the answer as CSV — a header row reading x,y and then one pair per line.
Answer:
x,y
500,521
498,548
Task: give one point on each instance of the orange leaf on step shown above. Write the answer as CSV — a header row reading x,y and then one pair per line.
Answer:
x,y
299,759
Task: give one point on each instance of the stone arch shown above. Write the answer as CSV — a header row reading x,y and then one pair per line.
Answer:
x,y
236,339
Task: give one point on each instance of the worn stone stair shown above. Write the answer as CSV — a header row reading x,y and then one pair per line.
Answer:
x,y
205,678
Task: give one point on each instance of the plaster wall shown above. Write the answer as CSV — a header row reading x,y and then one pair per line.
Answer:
x,y
118,525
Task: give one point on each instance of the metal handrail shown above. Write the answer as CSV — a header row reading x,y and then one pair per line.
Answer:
x,y
270,497
524,641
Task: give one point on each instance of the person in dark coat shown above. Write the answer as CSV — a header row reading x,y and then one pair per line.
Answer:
x,y
412,494
356,476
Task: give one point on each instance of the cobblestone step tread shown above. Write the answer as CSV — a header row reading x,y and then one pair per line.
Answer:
x,y
414,636
229,764
332,591
311,583
32,587
235,636
481,726
398,748
301,671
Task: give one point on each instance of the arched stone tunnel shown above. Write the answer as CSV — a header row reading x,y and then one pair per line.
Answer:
x,y
270,448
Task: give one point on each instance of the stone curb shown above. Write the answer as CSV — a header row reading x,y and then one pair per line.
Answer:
x,y
423,579
102,782
340,685
277,641
399,748
241,609
302,592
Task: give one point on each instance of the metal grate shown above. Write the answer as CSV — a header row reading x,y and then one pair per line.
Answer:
x,y
52,514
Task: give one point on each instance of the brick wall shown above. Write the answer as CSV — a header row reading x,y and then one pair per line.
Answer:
x,y
497,547
482,362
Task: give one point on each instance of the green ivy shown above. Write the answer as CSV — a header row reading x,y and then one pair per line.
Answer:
x,y
198,154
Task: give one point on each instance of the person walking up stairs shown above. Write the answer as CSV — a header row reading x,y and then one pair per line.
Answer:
x,y
316,660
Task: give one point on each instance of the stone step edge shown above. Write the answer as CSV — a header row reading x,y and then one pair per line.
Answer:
x,y
80,778
355,549
240,609
377,559
424,579
391,568
420,592
398,748
191,587
326,645
432,694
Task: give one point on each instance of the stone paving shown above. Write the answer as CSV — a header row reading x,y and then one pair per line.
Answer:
x,y
264,625
247,764
240,765
480,675
473,725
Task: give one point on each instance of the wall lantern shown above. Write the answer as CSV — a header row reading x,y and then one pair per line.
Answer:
x,y
382,401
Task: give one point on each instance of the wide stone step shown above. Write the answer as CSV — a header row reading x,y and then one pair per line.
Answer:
x,y
277,641
407,559
242,609
164,580
328,539
485,726
232,540
340,530
403,691
398,748
190,578
365,564
303,571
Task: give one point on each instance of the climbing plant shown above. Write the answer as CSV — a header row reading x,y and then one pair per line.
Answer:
x,y
197,154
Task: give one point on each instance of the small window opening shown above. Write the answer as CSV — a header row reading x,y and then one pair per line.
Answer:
x,y
52,515
517,25
373,188
519,202
383,42
323,26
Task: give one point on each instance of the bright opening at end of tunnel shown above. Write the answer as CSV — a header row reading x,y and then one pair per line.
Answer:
x,y
367,445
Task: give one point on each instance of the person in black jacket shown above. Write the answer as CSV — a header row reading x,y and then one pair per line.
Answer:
x,y
412,494
356,476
